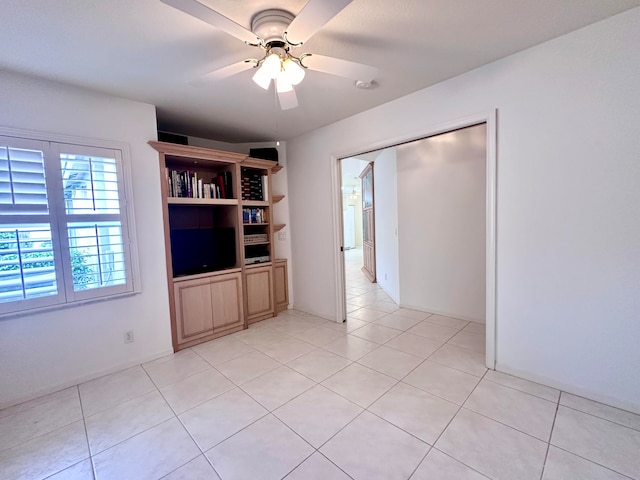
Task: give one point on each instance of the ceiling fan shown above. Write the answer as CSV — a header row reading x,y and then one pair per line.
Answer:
x,y
277,32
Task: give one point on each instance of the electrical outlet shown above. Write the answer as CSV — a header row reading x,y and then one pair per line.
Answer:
x,y
128,336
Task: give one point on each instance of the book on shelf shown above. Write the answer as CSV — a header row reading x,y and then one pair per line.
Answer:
x,y
254,186
187,184
254,215
265,187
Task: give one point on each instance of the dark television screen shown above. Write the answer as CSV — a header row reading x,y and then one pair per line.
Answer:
x,y
200,250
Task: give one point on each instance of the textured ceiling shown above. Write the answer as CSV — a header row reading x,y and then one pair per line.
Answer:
x,y
145,50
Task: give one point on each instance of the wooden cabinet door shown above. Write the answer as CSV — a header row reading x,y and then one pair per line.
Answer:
x,y
259,293
193,309
226,301
368,224
280,285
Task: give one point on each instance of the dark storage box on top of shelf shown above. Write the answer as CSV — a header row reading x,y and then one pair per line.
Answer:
x,y
270,153
173,138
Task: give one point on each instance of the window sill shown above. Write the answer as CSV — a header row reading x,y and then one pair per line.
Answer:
x,y
65,306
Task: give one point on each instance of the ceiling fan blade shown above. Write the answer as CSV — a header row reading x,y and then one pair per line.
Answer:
x,y
288,99
224,72
313,16
210,16
339,67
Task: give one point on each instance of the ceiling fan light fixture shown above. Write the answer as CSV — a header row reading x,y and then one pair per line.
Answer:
x,y
282,84
268,70
272,65
293,71
262,78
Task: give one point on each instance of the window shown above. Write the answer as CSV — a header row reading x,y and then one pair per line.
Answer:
x,y
64,229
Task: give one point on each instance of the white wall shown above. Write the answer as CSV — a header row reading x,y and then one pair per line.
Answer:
x,y
385,179
442,214
568,273
40,352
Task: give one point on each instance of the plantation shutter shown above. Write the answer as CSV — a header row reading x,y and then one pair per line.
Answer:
x,y
95,227
29,253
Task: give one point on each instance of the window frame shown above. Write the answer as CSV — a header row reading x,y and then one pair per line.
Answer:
x,y
52,146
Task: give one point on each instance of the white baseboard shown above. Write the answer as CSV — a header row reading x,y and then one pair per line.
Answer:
x,y
572,389
316,314
78,380
443,313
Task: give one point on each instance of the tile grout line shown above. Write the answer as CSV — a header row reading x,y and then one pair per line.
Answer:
x,y
424,457
462,463
175,415
523,391
553,424
177,381
449,423
599,417
592,461
86,435
333,463
31,439
366,409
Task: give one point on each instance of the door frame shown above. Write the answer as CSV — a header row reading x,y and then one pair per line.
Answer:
x,y
490,119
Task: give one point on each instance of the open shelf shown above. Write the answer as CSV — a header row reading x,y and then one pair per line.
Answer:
x,y
256,265
196,276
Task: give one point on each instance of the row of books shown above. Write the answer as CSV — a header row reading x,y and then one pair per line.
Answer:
x,y
187,184
255,186
254,215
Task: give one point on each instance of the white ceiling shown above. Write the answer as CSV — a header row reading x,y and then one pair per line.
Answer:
x,y
147,51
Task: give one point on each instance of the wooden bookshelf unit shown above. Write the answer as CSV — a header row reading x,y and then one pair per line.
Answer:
x,y
218,232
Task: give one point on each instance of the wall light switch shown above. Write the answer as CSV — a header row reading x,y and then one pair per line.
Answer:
x,y
282,235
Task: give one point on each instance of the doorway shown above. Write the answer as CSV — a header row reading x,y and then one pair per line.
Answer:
x,y
358,233
425,238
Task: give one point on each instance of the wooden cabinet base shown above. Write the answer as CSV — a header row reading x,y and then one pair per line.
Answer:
x,y
259,291
281,285
213,336
207,307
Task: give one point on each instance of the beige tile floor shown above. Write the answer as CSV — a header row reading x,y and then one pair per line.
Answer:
x,y
390,394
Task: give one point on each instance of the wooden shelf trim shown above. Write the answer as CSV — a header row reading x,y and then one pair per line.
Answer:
x,y
255,224
278,227
197,152
276,169
254,203
277,198
201,201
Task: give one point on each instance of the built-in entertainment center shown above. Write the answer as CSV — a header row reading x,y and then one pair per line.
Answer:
x,y
218,222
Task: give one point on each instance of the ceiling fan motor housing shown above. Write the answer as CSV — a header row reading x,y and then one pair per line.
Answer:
x,y
270,25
